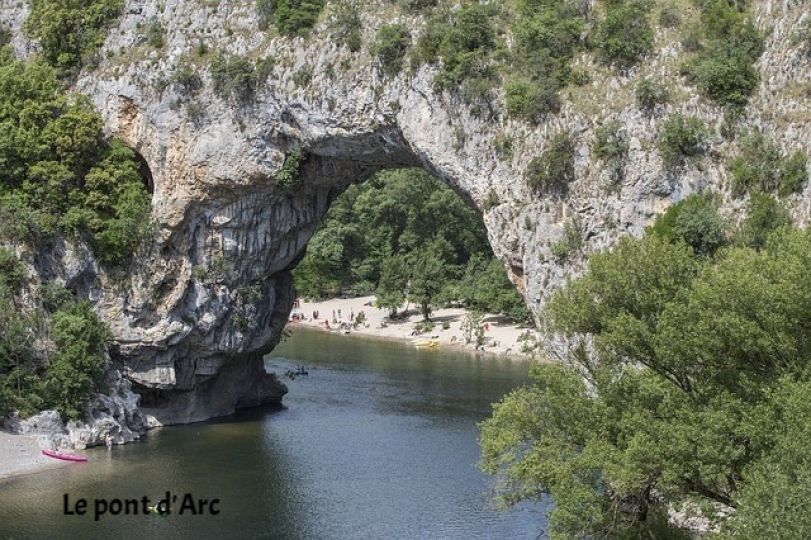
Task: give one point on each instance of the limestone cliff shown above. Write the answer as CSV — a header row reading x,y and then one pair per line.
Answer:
x,y
213,291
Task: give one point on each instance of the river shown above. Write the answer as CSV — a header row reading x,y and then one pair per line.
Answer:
x,y
378,441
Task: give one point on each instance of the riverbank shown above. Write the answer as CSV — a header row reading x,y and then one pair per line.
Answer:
x,y
22,454
501,335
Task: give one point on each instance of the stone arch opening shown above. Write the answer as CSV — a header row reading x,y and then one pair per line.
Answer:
x,y
145,172
228,263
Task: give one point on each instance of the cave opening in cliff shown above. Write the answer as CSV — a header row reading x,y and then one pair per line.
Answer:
x,y
406,240
145,172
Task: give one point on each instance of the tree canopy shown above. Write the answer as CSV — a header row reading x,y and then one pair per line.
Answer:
x,y
404,235
686,382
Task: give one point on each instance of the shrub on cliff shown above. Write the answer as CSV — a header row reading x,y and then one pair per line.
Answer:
x,y
625,34
463,40
71,31
292,17
762,166
650,93
681,138
347,25
723,69
390,47
694,221
233,77
553,170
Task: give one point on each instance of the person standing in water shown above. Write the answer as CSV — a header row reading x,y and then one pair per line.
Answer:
x,y
108,442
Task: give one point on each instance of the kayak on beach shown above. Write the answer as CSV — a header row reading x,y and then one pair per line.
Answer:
x,y
66,457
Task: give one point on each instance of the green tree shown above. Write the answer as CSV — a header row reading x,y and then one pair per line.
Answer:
x,y
76,371
70,31
428,276
390,47
392,289
686,380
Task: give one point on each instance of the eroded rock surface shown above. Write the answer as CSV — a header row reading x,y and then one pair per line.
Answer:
x,y
213,292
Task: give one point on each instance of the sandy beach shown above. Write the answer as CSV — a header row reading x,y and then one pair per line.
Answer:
x,y
22,454
501,335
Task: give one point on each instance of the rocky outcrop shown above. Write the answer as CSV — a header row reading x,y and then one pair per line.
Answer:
x,y
114,414
213,291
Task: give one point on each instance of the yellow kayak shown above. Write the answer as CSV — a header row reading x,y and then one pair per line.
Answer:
x,y
427,344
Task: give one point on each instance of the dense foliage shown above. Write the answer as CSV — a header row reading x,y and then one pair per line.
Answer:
x,y
70,32
723,68
63,377
405,236
553,170
390,47
59,176
687,382
762,167
682,138
292,17
57,171
625,34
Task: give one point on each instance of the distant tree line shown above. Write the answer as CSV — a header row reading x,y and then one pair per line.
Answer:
x,y
405,236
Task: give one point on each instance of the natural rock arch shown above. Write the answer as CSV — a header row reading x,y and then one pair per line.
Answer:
x,y
223,223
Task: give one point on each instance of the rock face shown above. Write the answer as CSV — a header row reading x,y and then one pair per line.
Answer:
x,y
115,415
213,291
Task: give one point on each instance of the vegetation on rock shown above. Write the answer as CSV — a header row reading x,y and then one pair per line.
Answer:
x,y
553,170
761,166
57,171
687,382
70,32
682,138
405,236
390,47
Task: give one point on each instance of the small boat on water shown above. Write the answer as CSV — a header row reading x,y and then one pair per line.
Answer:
x,y
65,457
427,344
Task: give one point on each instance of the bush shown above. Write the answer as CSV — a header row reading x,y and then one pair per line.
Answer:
x,y
76,370
5,35
650,93
347,26
70,31
761,166
290,174
610,141
724,69
570,242
694,221
554,169
291,17
682,137
155,34
233,77
491,200
531,101
12,272
390,47
611,145
186,79
764,215
464,40
624,35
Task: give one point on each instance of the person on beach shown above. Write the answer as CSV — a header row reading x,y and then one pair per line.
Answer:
x,y
339,313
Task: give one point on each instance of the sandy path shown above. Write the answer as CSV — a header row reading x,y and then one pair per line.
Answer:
x,y
502,336
22,454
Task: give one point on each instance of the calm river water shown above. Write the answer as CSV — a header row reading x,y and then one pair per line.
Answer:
x,y
378,441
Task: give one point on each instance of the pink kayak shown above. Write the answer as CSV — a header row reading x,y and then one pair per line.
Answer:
x,y
66,457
